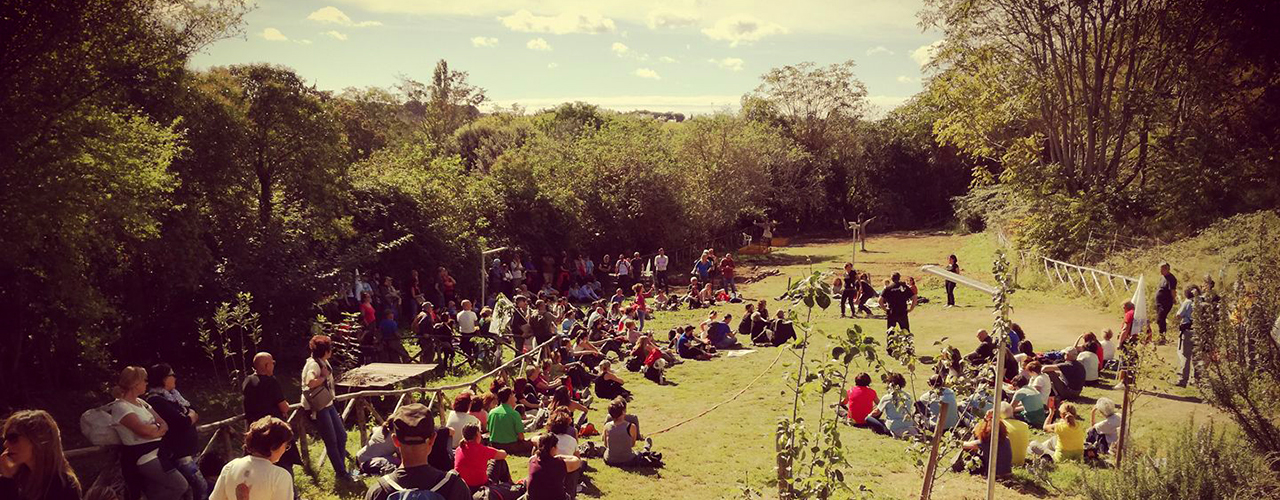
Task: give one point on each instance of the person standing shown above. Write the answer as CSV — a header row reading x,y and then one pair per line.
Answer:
x,y
1164,298
727,273
624,271
953,266
897,300
264,397
849,293
1185,342
140,429
660,268
180,443
467,324
318,391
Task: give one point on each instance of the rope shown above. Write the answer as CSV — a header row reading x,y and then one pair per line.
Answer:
x,y
722,403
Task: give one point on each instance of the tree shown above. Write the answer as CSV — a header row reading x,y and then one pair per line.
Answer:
x,y
443,105
819,108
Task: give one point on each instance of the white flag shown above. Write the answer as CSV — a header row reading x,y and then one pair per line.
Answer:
x,y
1139,308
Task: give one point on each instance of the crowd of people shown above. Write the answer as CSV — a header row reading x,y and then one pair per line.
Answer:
x,y
543,413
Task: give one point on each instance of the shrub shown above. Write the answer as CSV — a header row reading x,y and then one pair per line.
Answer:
x,y
1199,463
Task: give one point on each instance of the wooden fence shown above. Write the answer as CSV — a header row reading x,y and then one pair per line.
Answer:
x,y
1080,278
223,431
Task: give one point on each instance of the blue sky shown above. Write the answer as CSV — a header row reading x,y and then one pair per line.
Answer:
x,y
691,56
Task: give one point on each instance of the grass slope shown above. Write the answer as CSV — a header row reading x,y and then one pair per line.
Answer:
x,y
710,457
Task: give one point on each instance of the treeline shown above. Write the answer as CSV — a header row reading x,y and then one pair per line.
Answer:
x,y
139,194
1146,120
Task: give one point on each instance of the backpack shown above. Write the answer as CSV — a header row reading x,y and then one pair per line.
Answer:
x,y
98,427
403,493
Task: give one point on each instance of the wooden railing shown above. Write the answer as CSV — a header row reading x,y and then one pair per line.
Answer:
x,y
223,430
1081,278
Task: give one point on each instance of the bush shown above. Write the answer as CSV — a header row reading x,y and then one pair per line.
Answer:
x,y
1200,463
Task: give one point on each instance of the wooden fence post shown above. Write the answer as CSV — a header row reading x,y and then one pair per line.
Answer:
x,y
300,429
362,420
930,469
226,443
1126,378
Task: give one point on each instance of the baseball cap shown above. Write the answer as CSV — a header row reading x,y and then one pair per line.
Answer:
x,y
412,424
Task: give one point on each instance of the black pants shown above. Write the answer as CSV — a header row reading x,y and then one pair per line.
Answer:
x,y
951,293
848,297
660,279
898,319
1162,314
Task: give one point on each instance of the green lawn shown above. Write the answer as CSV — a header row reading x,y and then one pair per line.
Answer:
x,y
710,458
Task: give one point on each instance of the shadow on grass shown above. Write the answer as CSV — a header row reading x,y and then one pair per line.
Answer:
x,y
786,259
1025,485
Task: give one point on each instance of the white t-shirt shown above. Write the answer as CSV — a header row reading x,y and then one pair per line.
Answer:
x,y
266,480
457,421
1090,362
1042,383
1109,427
467,322
660,263
1108,350
311,371
120,409
624,267
566,444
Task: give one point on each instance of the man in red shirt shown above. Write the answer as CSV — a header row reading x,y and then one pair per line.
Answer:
x,y
726,272
861,399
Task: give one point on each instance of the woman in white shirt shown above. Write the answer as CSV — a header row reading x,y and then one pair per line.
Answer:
x,y
255,476
460,417
1104,433
318,391
140,430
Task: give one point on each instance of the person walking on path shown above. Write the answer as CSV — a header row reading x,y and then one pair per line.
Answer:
x,y
953,266
897,300
1164,299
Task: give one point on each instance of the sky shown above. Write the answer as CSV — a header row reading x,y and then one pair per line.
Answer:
x,y
688,56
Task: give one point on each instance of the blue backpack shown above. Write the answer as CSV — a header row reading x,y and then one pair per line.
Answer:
x,y
402,493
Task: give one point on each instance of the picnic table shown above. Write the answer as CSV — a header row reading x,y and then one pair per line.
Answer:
x,y
383,374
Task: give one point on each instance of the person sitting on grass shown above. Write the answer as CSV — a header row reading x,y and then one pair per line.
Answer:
x,y
1105,433
1067,442
932,402
379,456
892,417
981,446
620,437
689,347
548,471
860,400
1027,402
414,432
720,334
1067,377
1019,434
609,385
707,296
506,428
256,475
472,457
561,426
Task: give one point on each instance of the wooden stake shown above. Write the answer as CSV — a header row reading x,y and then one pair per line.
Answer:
x,y
930,469
362,420
997,395
1127,379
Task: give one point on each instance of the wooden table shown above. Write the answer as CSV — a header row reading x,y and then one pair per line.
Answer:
x,y
383,374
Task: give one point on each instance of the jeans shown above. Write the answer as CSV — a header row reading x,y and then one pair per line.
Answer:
x,y
951,293
847,297
191,470
329,423
877,426
1162,315
1185,349
730,286
159,484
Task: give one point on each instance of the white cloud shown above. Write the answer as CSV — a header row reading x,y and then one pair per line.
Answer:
x,y
304,41
483,41
538,44
552,65
924,53
562,24
274,35
619,49
336,35
331,15
666,59
729,63
907,79
647,73
742,28
879,49
670,20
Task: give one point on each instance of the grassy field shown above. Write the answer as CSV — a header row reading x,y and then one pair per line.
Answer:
x,y
711,457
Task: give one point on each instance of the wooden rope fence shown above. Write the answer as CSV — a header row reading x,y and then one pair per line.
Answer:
x,y
1080,278
222,430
